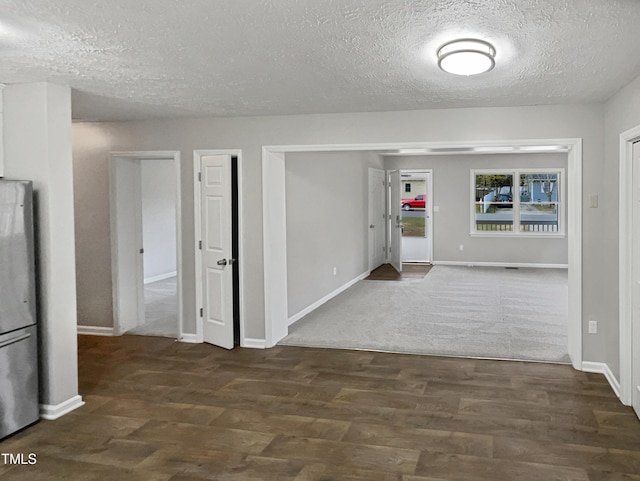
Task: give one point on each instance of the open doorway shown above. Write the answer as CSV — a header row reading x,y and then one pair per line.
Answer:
x,y
276,226
629,269
145,245
158,187
416,216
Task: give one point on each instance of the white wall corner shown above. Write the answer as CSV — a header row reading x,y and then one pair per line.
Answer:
x,y
603,368
51,412
95,331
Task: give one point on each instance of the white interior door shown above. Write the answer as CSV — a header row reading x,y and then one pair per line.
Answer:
x,y
635,330
217,238
395,222
377,234
126,244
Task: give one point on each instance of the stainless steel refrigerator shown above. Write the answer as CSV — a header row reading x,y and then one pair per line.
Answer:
x,y
18,329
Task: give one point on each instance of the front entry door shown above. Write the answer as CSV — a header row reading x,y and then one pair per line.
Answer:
x,y
377,219
635,311
217,243
395,221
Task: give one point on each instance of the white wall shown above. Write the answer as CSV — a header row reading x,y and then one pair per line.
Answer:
x,y
327,222
94,140
622,112
452,194
37,135
158,217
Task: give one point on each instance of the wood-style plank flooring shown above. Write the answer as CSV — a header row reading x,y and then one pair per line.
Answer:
x,y
410,272
158,410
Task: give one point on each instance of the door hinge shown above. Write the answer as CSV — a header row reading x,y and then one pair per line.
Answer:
x,y
141,251
200,245
201,312
199,176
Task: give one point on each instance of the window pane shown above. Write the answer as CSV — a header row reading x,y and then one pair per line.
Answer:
x,y
539,202
413,211
494,202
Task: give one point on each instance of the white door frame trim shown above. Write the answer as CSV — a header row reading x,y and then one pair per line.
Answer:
x,y
173,155
275,232
197,212
625,299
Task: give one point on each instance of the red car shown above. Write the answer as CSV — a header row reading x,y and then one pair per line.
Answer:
x,y
419,202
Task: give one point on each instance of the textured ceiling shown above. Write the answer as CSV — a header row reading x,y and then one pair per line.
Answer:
x,y
132,59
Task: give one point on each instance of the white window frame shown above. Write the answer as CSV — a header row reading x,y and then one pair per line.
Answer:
x,y
561,232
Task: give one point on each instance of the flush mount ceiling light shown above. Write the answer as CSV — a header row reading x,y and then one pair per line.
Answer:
x,y
466,56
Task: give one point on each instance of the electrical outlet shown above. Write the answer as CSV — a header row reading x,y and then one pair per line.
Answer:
x,y
593,327
335,271
461,247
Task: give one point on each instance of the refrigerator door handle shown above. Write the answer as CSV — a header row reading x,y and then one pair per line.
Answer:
x,y
8,342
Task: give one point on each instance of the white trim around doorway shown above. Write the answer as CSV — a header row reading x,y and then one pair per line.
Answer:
x,y
275,233
173,155
197,220
627,139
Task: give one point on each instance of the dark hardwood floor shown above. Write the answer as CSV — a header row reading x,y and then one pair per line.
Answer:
x,y
158,410
409,272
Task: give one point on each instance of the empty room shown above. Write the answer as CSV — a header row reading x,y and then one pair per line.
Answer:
x,y
240,153
496,291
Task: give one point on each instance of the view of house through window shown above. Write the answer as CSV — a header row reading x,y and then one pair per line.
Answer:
x,y
517,202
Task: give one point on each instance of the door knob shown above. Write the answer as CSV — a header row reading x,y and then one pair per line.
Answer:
x,y
371,226
222,262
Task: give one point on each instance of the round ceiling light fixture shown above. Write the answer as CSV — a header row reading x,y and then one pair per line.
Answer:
x,y
466,56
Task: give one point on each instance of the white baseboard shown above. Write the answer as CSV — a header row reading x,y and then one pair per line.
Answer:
x,y
500,264
328,297
95,331
254,343
189,338
160,277
603,368
51,412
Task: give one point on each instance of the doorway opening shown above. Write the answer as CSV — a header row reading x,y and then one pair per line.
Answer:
x,y
629,268
145,245
275,225
416,217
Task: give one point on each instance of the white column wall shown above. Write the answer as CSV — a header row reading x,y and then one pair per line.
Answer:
x,y
37,133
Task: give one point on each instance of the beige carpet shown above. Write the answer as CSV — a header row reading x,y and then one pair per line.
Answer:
x,y
161,310
454,311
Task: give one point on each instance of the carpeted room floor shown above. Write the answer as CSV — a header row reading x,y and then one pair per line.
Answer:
x,y
161,309
485,312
